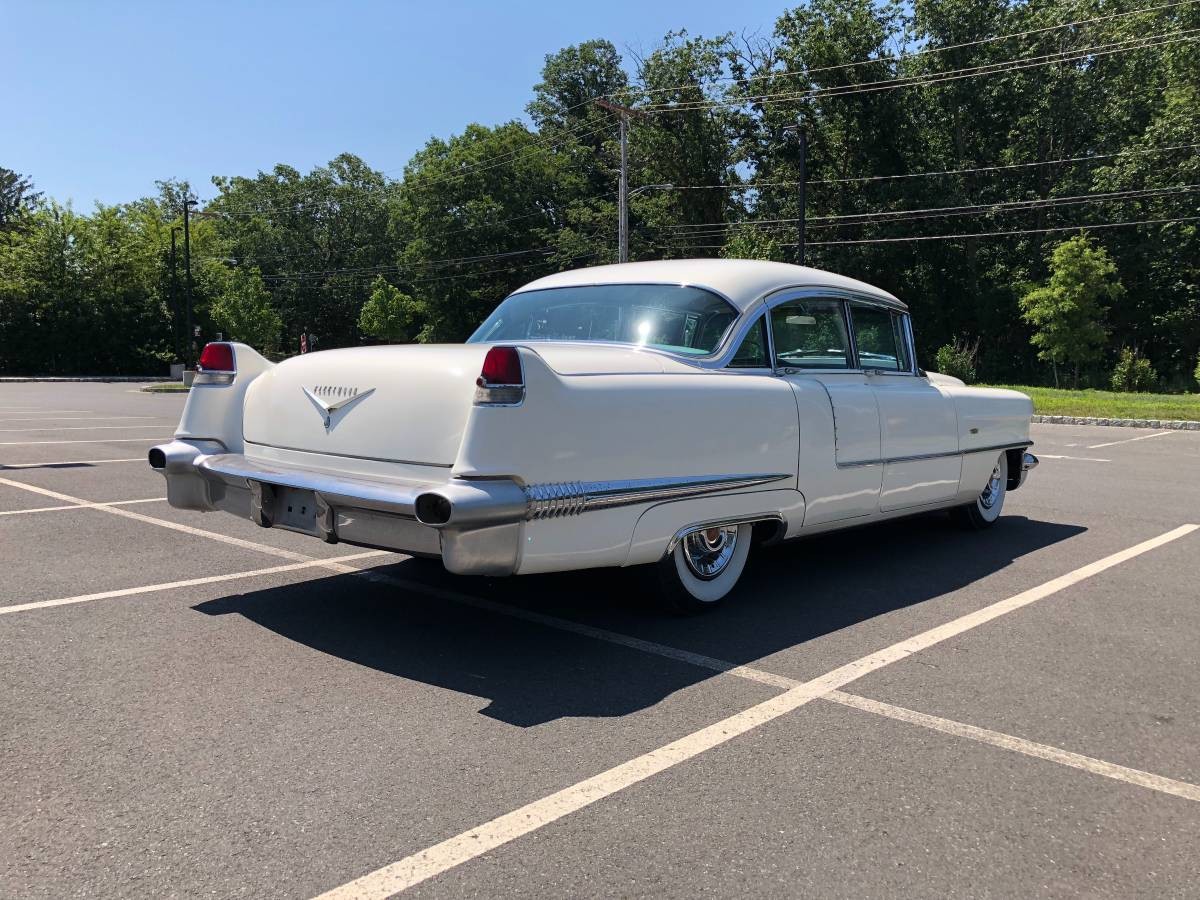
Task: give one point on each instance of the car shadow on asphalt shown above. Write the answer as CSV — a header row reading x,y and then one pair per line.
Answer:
x,y
532,673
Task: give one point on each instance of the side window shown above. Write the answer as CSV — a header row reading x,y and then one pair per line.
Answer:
x,y
752,354
810,334
879,336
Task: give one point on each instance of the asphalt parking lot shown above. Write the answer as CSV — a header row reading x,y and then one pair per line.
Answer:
x,y
194,706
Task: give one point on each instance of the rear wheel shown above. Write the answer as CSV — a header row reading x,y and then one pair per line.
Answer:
x,y
986,509
703,568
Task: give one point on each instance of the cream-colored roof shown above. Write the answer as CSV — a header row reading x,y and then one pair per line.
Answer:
x,y
741,280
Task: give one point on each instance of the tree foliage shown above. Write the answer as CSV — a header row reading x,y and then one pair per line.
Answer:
x,y
243,311
391,315
911,156
1067,313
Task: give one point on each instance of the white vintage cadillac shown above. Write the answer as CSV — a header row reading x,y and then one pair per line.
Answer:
x,y
666,414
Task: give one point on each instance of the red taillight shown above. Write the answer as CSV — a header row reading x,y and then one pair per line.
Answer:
x,y
217,358
501,366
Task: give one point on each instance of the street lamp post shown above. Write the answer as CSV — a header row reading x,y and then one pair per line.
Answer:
x,y
190,344
175,229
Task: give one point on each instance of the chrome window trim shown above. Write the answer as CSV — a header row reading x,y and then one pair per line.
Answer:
x,y
907,339
719,358
754,319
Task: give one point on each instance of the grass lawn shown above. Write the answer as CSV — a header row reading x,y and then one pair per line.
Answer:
x,y
1109,404
166,387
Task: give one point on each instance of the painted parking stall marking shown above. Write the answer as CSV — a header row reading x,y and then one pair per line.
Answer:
x,y
1149,780
1144,437
69,462
44,509
455,851
190,582
142,440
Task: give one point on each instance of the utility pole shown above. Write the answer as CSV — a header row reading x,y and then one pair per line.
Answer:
x,y
623,185
174,280
802,146
190,345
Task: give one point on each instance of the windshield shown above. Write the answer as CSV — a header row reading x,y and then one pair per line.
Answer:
x,y
680,319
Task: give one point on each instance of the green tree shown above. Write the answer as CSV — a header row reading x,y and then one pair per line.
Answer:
x,y
1133,373
1067,313
17,198
745,242
391,315
243,311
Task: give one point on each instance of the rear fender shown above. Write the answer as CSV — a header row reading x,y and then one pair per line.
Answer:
x,y
213,412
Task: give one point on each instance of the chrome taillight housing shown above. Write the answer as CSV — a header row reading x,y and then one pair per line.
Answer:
x,y
502,380
217,365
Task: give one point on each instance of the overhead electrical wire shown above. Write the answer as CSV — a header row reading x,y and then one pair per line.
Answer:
x,y
952,237
904,57
1004,67
904,215
757,185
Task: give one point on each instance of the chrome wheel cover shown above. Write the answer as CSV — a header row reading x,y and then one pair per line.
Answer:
x,y
992,492
709,551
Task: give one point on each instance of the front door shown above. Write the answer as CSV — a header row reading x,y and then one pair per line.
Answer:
x,y
918,423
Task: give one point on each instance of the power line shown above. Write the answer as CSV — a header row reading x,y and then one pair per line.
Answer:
x,y
952,237
939,211
1004,67
901,57
756,185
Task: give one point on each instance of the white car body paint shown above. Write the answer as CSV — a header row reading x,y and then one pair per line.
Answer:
x,y
813,449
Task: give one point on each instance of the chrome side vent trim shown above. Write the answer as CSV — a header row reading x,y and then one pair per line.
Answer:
x,y
570,498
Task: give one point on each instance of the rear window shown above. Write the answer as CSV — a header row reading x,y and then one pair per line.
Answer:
x,y
684,320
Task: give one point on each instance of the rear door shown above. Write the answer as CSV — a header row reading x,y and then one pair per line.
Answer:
x,y
918,423
839,467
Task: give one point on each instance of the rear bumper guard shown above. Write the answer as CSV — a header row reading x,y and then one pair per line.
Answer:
x,y
480,537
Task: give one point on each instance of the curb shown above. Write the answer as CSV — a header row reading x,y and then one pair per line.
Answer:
x,y
133,379
1169,424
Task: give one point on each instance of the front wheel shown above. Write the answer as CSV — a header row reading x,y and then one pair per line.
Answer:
x,y
986,509
703,568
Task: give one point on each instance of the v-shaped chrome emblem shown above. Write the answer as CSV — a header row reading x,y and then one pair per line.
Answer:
x,y
329,399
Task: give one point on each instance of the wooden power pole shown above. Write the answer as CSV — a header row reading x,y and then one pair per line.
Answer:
x,y
623,185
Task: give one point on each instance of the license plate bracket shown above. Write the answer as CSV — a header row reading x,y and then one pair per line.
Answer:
x,y
295,509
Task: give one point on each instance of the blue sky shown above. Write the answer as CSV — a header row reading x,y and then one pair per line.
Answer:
x,y
102,98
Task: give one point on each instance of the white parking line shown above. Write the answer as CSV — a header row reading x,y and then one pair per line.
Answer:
x,y
69,462
1144,437
1020,745
148,439
85,428
455,851
40,410
42,509
1075,458
190,582
174,526
51,418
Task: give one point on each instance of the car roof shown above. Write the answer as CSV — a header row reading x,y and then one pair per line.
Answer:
x,y
742,281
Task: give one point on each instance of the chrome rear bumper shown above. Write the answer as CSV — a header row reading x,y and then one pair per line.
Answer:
x,y
473,525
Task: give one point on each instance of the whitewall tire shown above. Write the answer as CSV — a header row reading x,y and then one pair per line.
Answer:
x,y
987,506
704,567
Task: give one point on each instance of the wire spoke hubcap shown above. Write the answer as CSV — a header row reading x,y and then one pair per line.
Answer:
x,y
709,550
988,498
